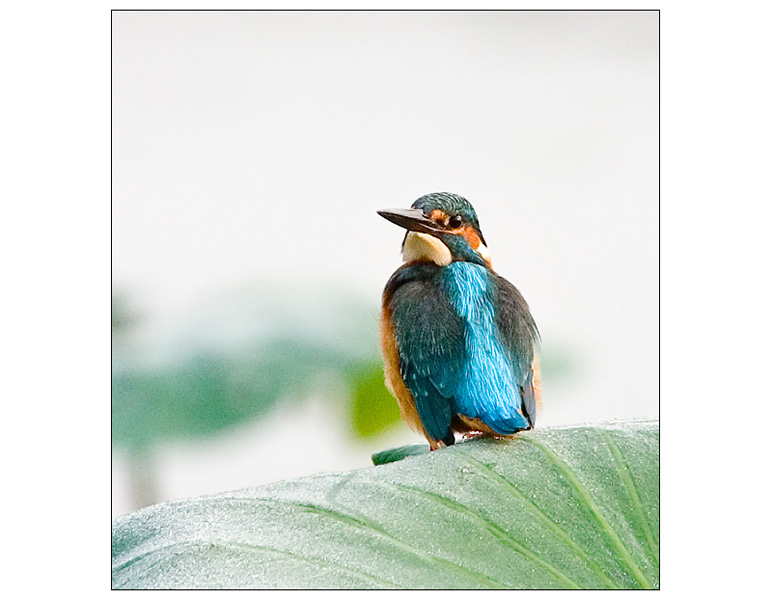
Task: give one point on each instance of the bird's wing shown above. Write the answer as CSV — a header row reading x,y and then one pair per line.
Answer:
x,y
520,337
430,341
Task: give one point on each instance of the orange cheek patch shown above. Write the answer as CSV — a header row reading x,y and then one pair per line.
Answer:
x,y
475,242
471,236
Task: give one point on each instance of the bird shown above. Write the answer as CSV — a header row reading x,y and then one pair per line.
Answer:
x,y
458,340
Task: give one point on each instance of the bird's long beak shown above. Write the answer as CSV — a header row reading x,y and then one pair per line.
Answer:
x,y
411,219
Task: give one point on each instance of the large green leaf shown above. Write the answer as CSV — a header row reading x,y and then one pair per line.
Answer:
x,y
574,507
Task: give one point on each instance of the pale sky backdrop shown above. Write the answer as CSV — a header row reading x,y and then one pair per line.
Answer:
x,y
253,148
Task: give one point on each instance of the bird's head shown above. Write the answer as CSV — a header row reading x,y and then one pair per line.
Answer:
x,y
441,228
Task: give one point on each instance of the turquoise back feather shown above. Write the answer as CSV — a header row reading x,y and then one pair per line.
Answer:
x,y
488,388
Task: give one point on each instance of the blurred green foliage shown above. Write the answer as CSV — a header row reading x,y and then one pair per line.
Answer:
x,y
373,409
237,361
557,364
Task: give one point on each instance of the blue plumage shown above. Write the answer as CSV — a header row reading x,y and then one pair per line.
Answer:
x,y
488,386
458,339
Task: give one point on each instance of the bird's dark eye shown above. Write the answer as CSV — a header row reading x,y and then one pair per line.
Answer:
x,y
455,221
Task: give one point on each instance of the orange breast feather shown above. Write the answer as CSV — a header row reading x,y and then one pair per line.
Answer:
x,y
394,381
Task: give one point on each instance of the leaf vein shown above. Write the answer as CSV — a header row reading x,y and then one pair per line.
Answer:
x,y
572,478
632,491
375,529
509,487
258,548
494,529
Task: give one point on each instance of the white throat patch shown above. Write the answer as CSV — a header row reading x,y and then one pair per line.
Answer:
x,y
422,246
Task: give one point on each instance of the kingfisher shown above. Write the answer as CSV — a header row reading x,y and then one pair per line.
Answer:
x,y
458,340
